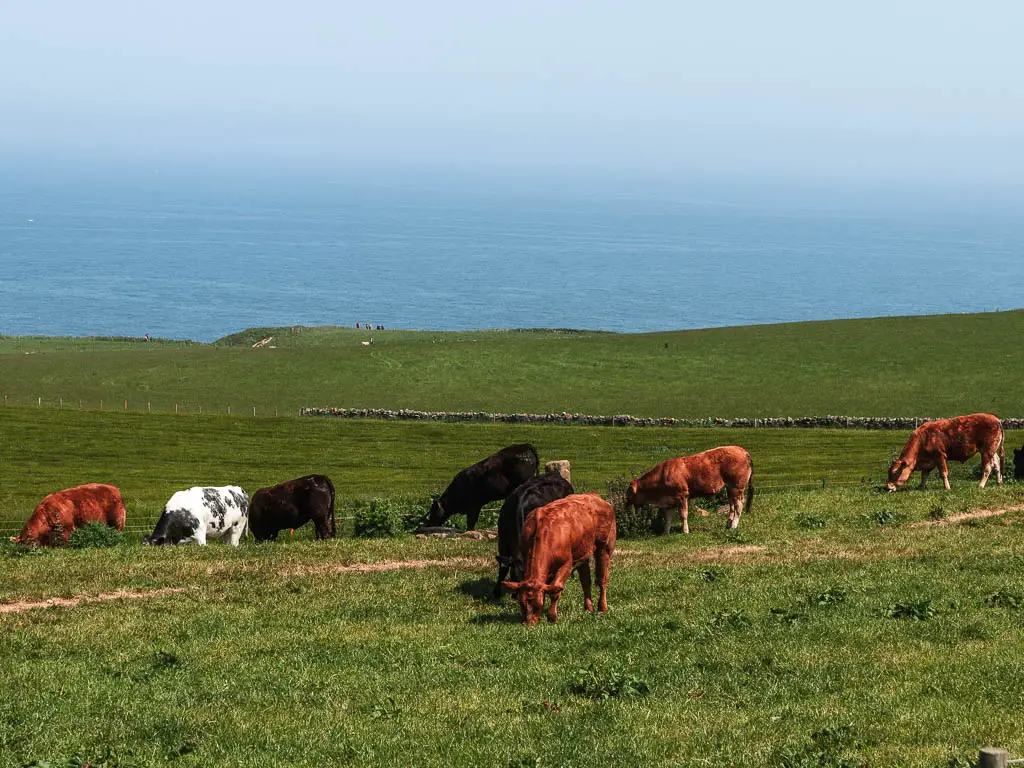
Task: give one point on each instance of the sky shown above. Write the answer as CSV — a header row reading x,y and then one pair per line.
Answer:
x,y
927,91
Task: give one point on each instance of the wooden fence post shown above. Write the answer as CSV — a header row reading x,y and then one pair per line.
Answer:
x,y
60,400
40,402
992,757
126,405
254,410
149,409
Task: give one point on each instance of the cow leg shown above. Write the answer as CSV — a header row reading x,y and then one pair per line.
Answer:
x,y
684,512
735,508
990,463
321,529
924,477
561,576
584,572
944,470
471,517
503,569
602,564
666,526
235,535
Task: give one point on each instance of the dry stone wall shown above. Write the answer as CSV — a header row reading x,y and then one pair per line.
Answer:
x,y
624,420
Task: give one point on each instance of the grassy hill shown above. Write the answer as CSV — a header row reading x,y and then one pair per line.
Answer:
x,y
937,365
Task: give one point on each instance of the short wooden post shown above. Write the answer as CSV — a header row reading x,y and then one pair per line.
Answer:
x,y
101,404
60,401
229,410
992,757
175,407
5,399
149,408
40,403
126,405
254,410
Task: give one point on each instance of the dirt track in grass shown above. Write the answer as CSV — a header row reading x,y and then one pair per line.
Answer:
x,y
20,606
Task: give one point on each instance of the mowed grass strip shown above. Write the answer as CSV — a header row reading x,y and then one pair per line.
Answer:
x,y
934,366
150,456
899,641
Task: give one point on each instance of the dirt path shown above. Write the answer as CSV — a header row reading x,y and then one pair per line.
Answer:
x,y
20,606
975,515
393,565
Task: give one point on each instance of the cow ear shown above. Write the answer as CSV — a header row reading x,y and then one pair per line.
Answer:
x,y
511,586
553,589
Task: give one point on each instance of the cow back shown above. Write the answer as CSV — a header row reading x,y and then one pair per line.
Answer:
x,y
528,496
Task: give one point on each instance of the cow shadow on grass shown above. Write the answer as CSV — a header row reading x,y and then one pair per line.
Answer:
x,y
481,589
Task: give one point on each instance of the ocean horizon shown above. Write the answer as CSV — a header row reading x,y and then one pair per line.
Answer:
x,y
198,256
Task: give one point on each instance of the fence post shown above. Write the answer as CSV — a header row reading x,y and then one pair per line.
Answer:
x,y
254,410
229,410
148,408
992,757
126,405
175,407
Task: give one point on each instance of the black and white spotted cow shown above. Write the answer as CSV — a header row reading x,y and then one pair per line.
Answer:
x,y
202,513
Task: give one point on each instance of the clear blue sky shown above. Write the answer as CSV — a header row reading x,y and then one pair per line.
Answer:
x,y
923,90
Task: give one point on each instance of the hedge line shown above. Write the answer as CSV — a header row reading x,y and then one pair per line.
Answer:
x,y
624,420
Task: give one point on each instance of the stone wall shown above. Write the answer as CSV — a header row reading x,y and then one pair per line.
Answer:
x,y
582,419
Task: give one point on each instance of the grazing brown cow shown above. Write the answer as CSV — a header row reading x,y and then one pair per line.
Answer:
x,y
672,483
957,439
60,513
557,539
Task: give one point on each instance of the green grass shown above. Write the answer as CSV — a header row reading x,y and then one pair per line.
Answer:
x,y
270,657
840,633
939,365
149,456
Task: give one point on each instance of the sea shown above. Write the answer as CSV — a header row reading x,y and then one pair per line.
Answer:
x,y
198,254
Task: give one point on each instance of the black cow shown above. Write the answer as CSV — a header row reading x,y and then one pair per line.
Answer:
x,y
534,493
489,480
292,504
1018,464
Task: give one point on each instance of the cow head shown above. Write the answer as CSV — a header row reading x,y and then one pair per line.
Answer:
x,y
899,473
631,493
154,540
437,514
531,598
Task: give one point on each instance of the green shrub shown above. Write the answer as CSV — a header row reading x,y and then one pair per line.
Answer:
x,y
95,536
383,518
631,522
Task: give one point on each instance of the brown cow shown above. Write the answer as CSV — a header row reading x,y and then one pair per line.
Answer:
x,y
672,483
557,539
957,439
57,516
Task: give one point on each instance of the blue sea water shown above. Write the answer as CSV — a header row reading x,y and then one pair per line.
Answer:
x,y
197,256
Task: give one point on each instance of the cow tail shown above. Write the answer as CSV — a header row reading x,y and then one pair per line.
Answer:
x,y
1002,452
750,486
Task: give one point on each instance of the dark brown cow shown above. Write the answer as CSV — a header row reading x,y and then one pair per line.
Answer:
x,y
292,504
490,479
672,483
57,516
935,443
557,539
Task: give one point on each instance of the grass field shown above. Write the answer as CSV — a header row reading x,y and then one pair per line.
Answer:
x,y
880,367
897,644
838,627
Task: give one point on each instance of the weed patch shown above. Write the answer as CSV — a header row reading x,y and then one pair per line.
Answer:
x,y
914,610
835,747
597,682
810,522
387,518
